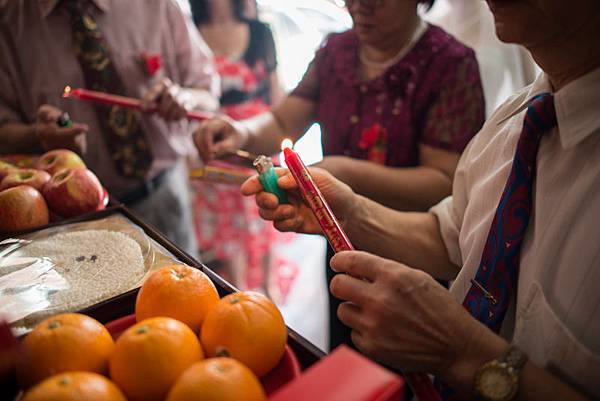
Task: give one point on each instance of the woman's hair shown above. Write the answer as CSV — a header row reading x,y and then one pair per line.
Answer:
x,y
201,10
428,4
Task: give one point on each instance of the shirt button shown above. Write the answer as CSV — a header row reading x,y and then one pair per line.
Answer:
x,y
378,110
353,119
363,88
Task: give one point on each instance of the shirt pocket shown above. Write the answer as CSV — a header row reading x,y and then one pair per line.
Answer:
x,y
550,344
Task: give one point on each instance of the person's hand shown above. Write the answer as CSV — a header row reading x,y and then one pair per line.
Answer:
x,y
51,136
218,136
297,215
403,318
169,98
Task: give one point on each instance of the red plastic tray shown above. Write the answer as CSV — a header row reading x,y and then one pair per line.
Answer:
x,y
287,370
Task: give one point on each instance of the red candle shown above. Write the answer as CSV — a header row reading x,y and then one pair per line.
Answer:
x,y
312,195
419,382
107,98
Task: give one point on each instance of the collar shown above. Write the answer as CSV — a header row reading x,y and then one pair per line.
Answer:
x,y
576,105
47,6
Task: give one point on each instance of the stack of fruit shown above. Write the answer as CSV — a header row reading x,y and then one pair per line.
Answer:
x,y
60,184
180,322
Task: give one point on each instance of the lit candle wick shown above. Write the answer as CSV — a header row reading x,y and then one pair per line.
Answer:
x,y
67,91
287,143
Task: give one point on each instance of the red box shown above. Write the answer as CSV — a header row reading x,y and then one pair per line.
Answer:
x,y
344,375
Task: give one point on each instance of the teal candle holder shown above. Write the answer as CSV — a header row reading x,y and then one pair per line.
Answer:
x,y
268,177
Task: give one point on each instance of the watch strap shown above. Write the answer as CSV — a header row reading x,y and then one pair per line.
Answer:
x,y
514,358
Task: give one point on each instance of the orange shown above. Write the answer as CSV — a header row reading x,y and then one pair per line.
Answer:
x,y
75,386
246,326
150,355
65,342
217,379
177,291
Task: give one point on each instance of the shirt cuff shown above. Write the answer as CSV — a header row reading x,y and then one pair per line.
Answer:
x,y
449,229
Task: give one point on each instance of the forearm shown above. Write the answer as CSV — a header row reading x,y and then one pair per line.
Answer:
x,y
289,119
539,384
535,383
264,134
18,138
410,188
407,237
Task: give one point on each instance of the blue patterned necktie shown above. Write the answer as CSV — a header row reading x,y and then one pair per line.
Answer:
x,y
499,267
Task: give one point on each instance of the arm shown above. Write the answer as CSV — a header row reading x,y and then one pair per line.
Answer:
x,y
412,238
261,134
413,188
44,134
277,93
430,332
18,138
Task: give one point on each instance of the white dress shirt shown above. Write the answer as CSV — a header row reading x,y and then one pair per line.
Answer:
x,y
556,316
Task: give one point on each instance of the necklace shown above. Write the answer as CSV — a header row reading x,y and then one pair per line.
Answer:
x,y
383,65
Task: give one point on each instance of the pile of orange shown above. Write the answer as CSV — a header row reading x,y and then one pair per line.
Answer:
x,y
180,320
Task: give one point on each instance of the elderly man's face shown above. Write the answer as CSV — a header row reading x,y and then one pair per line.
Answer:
x,y
537,22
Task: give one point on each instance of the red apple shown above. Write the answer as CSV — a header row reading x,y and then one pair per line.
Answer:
x,y
29,176
73,191
5,169
22,208
58,159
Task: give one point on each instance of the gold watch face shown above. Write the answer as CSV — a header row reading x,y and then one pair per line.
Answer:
x,y
495,383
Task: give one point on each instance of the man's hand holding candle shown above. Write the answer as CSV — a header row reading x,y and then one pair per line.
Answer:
x,y
297,216
167,96
174,101
51,136
400,316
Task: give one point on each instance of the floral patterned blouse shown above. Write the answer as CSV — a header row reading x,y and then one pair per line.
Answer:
x,y
433,96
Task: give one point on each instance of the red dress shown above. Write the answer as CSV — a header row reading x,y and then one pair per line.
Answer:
x,y
227,224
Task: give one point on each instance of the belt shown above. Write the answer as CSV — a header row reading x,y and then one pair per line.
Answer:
x,y
145,190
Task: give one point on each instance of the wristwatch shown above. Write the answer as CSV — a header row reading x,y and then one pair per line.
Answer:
x,y
498,380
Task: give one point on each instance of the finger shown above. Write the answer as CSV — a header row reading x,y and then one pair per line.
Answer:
x,y
153,94
223,147
266,200
174,111
359,340
48,114
352,289
75,130
285,212
209,130
295,224
351,315
251,186
357,264
286,180
199,142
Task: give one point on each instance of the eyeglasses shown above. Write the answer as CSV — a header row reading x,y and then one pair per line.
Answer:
x,y
370,4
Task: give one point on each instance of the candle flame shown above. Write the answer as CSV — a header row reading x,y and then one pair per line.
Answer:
x,y
287,143
67,91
